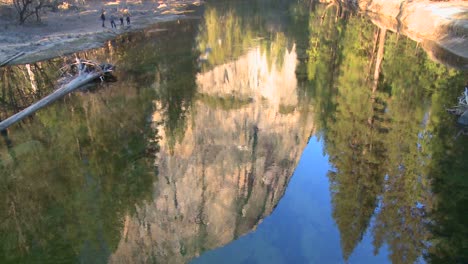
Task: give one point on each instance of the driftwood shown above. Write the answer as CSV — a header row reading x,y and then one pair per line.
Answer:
x,y
87,72
461,109
17,55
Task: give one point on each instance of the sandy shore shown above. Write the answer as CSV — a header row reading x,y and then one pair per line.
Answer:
x,y
68,31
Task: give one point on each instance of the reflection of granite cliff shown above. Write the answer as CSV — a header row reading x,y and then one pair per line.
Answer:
x,y
231,168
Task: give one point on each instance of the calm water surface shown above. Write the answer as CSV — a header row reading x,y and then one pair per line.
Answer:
x,y
263,132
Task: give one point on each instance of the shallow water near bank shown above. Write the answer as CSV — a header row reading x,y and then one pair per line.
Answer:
x,y
261,133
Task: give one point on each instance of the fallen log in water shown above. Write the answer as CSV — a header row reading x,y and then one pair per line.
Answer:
x,y
86,75
17,55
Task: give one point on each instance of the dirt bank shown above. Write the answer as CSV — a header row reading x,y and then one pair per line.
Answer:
x,y
79,28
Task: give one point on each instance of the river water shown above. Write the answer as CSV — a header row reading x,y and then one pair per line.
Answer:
x,y
260,132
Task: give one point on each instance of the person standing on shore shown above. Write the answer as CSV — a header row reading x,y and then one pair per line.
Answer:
x,y
103,18
112,21
127,14
121,18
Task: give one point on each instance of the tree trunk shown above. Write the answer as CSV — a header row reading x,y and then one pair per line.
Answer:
x,y
380,55
76,83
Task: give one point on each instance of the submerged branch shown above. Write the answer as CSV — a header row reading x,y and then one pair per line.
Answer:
x,y
87,72
461,109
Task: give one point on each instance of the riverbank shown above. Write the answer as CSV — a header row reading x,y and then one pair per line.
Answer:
x,y
71,30
441,28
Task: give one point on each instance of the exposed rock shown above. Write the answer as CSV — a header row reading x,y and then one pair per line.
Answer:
x,y
441,27
230,169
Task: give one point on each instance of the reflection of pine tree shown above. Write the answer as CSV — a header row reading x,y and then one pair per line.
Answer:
x,y
74,206
448,173
171,72
227,31
355,140
400,222
73,210
449,226
376,137
323,60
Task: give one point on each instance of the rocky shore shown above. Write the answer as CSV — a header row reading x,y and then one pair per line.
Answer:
x,y
440,27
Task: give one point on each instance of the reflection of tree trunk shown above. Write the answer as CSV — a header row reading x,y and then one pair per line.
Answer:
x,y
21,239
378,62
325,12
7,139
11,96
379,59
374,46
312,5
125,229
47,82
32,77
339,11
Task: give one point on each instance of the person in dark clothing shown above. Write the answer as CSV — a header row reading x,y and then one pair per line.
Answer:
x,y
113,25
127,14
103,18
121,21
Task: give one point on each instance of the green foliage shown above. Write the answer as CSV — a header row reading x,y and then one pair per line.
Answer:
x,y
228,31
36,80
86,183
380,142
447,170
224,36
71,174
398,167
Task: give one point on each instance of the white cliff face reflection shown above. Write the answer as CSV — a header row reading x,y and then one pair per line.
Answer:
x,y
252,76
196,143
230,168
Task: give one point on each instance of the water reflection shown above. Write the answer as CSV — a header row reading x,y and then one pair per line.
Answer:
x,y
380,136
378,104
229,168
196,143
147,169
72,173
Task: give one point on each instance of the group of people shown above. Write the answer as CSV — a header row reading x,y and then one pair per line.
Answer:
x,y
123,13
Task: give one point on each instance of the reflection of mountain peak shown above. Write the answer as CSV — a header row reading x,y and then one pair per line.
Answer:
x,y
230,168
250,76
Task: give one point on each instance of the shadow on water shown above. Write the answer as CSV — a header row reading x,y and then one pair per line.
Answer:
x,y
196,143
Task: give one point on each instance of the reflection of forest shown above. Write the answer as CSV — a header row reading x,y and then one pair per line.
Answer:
x,y
226,162
36,80
223,159
223,143
230,168
384,100
70,174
